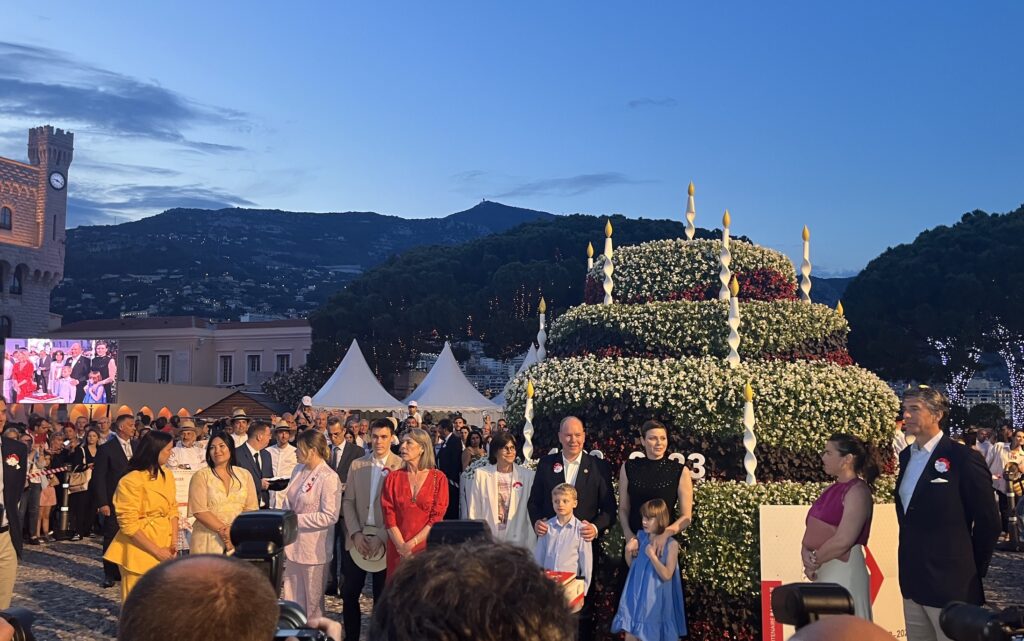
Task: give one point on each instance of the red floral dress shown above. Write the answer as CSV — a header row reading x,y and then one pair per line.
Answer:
x,y
409,514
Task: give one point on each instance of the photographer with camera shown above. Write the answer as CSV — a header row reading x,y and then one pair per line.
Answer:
x,y
12,484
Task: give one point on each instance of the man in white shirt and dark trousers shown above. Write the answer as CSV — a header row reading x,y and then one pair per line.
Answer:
x,y
365,534
282,459
947,515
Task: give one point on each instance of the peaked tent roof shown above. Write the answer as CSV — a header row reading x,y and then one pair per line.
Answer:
x,y
446,388
530,359
353,386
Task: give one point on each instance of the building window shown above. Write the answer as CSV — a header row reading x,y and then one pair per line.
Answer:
x,y
254,363
284,362
6,328
54,227
227,376
131,368
163,368
18,280
6,218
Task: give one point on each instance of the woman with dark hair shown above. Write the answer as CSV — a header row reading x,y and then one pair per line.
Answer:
x,y
53,375
82,507
654,476
498,493
147,512
474,449
217,494
314,494
839,522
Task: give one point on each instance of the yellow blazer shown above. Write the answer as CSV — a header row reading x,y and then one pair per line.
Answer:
x,y
146,504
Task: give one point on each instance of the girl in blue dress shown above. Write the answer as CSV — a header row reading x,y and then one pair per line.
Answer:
x,y
651,607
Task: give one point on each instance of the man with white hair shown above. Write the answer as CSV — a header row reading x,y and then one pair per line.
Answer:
x,y
187,454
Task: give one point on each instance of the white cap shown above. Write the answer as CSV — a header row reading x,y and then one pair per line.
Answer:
x,y
307,401
413,404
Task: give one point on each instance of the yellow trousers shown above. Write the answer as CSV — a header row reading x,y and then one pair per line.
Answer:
x,y
128,581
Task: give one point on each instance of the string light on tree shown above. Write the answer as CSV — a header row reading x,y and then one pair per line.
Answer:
x,y
691,213
749,438
542,335
608,269
528,428
805,268
734,324
725,258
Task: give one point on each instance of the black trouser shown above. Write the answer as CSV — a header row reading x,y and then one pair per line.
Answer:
x,y
82,511
338,546
110,528
354,579
1004,510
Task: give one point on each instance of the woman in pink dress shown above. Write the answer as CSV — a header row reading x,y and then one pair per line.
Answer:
x,y
413,499
314,494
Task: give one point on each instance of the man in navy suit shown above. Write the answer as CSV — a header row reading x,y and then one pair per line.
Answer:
x,y
341,457
592,479
449,461
948,518
251,456
110,465
14,458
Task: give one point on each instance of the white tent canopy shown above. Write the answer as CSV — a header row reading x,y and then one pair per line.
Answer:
x,y
353,386
446,388
530,359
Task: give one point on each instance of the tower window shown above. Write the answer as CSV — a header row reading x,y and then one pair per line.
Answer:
x,y
17,283
6,329
6,218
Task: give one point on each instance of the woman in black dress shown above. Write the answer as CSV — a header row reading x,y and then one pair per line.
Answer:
x,y
654,476
107,366
80,504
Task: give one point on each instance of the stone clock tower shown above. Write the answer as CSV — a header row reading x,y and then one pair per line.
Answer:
x,y
33,212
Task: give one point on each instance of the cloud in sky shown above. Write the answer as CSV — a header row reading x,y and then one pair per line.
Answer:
x,y
37,83
570,186
105,205
637,103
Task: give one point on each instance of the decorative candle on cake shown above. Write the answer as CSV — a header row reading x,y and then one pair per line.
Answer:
x,y
725,258
608,269
734,324
542,336
590,256
691,213
805,268
749,439
528,428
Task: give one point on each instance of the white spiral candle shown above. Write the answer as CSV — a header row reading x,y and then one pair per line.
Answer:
x,y
734,324
805,268
726,259
542,336
691,214
749,439
528,428
608,268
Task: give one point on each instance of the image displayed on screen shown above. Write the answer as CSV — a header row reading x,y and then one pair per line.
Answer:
x,y
45,370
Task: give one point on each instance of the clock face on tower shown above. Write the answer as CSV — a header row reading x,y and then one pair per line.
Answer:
x,y
57,180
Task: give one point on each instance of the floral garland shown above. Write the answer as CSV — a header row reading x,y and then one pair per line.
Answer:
x,y
781,330
677,269
798,405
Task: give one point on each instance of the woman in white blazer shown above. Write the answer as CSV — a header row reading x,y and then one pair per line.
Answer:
x,y
497,493
314,494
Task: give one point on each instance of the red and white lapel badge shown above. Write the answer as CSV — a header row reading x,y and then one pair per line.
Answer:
x,y
942,465
517,485
557,468
13,461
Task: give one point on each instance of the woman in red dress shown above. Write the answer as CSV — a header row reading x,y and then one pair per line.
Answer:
x,y
23,376
413,499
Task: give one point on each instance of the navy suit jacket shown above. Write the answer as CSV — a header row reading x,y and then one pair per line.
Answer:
x,y
593,487
14,485
110,465
949,532
243,458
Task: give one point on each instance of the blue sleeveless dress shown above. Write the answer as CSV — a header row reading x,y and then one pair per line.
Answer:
x,y
651,609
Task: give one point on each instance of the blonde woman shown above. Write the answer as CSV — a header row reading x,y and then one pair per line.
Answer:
x,y
314,494
217,494
413,499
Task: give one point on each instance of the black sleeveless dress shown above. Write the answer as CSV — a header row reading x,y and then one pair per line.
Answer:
x,y
652,480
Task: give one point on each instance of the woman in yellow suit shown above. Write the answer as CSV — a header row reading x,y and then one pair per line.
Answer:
x,y
147,512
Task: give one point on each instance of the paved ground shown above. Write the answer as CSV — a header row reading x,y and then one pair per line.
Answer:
x,y
60,582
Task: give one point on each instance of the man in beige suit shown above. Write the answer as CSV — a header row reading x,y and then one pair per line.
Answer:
x,y
364,522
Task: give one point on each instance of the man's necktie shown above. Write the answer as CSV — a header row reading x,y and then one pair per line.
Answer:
x,y
259,467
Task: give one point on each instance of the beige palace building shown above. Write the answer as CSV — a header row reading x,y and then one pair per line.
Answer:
x,y
187,350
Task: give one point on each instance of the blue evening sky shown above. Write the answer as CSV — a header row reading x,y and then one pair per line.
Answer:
x,y
867,121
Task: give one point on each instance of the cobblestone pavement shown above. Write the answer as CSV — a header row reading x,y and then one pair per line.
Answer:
x,y
60,582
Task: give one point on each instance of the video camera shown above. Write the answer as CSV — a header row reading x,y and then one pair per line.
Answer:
x,y
965,622
21,620
800,604
260,538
